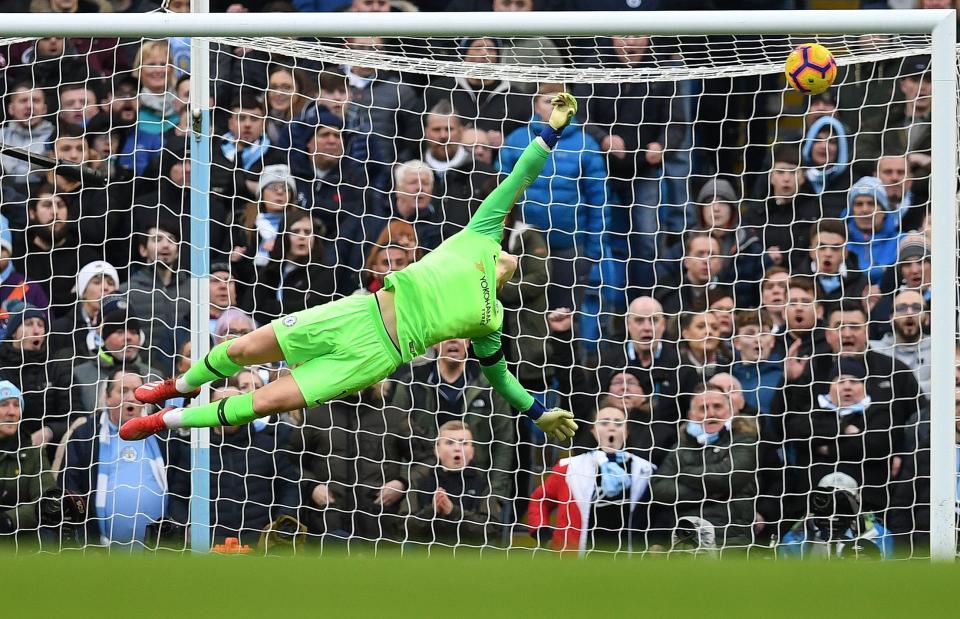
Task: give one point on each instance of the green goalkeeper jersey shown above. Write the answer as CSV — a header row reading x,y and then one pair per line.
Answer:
x,y
451,292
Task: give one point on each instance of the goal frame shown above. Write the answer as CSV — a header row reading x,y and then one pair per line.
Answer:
x,y
940,24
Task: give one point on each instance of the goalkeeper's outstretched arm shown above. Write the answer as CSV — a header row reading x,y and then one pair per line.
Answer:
x,y
488,219
555,423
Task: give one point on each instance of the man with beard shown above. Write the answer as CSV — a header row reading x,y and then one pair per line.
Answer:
x,y
908,342
48,251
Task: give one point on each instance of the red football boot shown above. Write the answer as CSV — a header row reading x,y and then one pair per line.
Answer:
x,y
141,427
160,391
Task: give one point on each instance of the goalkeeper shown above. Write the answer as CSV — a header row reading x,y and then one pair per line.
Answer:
x,y
344,346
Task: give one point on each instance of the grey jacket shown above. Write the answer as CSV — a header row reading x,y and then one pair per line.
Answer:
x,y
915,356
34,139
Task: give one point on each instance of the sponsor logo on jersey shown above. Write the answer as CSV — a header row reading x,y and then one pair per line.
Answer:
x,y
289,321
487,309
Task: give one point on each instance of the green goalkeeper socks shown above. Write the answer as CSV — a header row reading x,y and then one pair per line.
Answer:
x,y
217,364
231,411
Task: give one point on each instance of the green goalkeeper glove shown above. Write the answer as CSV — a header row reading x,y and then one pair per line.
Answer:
x,y
564,109
557,424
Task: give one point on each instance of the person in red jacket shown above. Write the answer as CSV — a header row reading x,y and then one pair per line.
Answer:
x,y
596,494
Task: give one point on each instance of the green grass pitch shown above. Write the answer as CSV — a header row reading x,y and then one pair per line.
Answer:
x,y
172,586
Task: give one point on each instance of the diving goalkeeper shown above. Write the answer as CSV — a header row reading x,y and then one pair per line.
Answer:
x,y
343,347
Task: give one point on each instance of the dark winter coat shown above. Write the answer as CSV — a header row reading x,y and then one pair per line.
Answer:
x,y
252,481
49,394
714,482
354,448
286,287
486,413
475,517
24,476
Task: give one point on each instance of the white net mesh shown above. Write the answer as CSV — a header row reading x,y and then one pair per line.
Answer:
x,y
695,226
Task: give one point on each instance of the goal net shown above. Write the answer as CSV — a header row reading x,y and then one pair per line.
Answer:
x,y
729,284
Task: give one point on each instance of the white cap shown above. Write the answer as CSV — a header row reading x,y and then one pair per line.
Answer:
x,y
91,270
839,481
276,173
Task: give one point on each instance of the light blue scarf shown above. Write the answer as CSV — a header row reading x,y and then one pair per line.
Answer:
x,y
614,479
703,437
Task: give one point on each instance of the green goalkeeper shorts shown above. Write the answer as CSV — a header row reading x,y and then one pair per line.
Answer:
x,y
337,348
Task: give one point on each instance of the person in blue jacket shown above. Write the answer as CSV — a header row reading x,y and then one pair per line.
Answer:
x,y
568,202
873,230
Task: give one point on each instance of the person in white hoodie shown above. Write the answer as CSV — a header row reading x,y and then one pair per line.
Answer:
x,y
596,494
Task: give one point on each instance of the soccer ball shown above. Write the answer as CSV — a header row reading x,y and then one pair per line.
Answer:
x,y
810,69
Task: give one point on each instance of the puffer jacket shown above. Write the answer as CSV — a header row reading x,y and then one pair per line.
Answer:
x,y
49,393
877,253
715,482
574,176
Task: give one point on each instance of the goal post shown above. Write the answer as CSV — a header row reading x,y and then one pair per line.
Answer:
x,y
940,25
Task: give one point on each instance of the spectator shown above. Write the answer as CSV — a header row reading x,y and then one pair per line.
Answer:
x,y
413,201
153,69
49,254
452,505
231,324
254,483
24,470
711,474
892,172
567,202
263,219
45,61
596,494
755,362
913,272
242,151
119,337
873,229
299,274
284,103
158,290
833,266
459,178
631,120
826,157
77,333
26,127
909,341
701,267
339,190
650,434
46,384
907,126
525,50
783,220
491,106
773,296
124,483
78,105
524,299
702,354
722,303
103,234
223,291
891,385
718,216
836,526
650,357
847,431
452,388
353,453
382,109
394,250
15,291
804,334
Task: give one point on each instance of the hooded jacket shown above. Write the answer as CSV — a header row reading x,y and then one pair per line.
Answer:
x,y
877,252
568,200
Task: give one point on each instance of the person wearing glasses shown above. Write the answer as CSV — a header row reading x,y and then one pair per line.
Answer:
x,y
909,341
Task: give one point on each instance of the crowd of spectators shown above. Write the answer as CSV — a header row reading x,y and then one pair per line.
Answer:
x,y
736,311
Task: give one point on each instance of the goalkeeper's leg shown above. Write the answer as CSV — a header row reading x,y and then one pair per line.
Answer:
x,y
223,361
